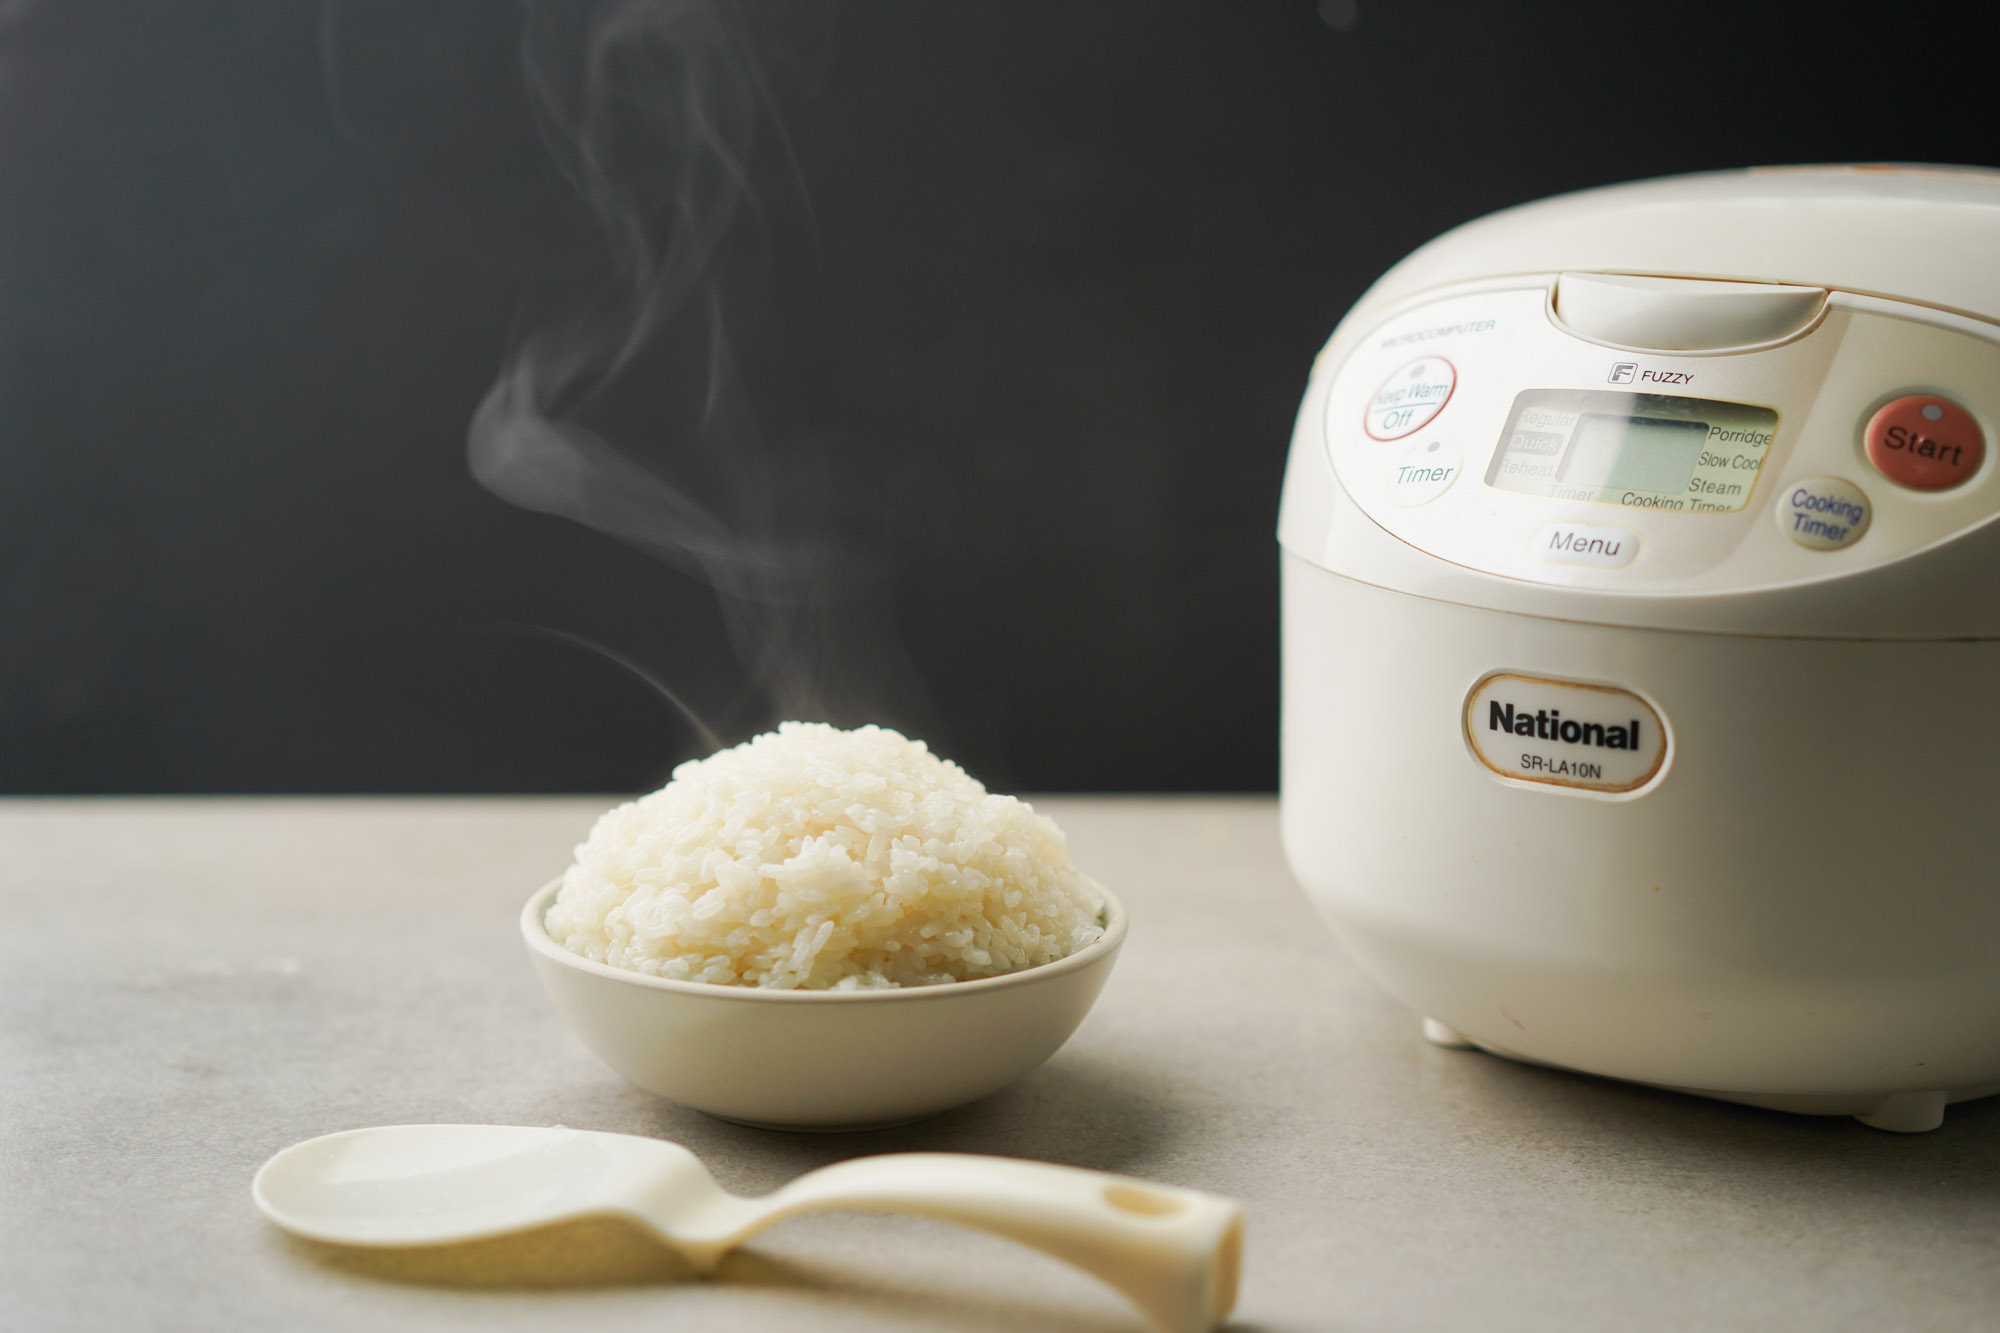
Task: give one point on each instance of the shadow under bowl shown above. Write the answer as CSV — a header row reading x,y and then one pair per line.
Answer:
x,y
817,1059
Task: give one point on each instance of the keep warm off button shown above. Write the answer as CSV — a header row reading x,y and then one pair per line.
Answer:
x,y
1598,544
1408,399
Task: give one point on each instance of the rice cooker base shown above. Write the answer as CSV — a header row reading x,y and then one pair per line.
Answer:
x,y
1798,911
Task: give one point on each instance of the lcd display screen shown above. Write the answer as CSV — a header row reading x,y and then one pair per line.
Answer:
x,y
1646,451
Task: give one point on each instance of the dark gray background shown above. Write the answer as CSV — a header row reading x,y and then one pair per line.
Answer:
x,y
1016,313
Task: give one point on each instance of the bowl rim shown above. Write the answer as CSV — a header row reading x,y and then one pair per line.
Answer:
x,y
1098,950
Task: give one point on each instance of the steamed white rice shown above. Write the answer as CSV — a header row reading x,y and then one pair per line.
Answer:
x,y
814,858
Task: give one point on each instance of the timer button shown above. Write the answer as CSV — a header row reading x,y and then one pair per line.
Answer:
x,y
1925,442
1823,513
1423,472
1408,399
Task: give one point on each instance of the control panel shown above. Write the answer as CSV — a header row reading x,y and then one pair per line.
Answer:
x,y
1482,428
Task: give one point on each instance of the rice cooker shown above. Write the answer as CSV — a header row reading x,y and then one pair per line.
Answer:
x,y
1642,636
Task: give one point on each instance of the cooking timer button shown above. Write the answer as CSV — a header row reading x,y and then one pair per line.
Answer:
x,y
1410,397
1423,472
1823,513
1924,442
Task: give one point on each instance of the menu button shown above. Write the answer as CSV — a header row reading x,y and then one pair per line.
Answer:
x,y
1599,544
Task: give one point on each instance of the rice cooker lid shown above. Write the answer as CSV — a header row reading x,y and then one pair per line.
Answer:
x,y
1923,234
1884,251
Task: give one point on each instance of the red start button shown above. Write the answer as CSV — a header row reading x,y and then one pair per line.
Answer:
x,y
1925,443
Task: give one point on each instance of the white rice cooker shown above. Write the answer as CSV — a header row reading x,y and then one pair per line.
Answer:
x,y
1642,636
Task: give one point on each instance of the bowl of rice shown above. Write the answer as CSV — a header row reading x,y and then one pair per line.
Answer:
x,y
823,929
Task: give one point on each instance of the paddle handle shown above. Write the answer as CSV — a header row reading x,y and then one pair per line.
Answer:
x,y
1176,1253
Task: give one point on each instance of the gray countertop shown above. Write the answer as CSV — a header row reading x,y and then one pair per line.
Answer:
x,y
187,986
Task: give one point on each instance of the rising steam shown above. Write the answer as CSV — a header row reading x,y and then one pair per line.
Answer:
x,y
656,110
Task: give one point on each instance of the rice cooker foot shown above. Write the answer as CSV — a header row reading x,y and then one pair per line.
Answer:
x,y
1437,1034
1906,1112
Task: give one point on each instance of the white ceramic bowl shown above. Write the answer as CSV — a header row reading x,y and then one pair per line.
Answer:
x,y
790,1059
